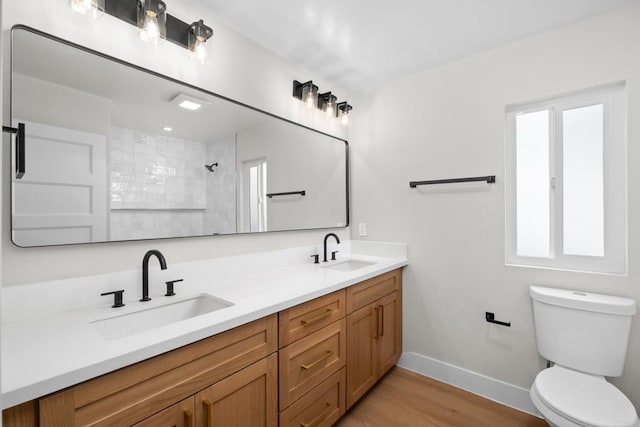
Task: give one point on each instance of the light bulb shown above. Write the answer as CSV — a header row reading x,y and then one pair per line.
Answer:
x,y
329,108
151,29
199,52
80,6
310,100
344,118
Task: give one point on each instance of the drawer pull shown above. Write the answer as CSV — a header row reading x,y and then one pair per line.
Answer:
x,y
314,422
312,364
317,318
376,322
188,419
207,413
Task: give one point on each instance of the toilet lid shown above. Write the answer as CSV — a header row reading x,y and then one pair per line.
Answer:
x,y
584,399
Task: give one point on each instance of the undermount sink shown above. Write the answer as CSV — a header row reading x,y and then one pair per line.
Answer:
x,y
349,265
133,322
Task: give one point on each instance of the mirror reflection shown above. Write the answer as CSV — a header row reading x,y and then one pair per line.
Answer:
x,y
114,152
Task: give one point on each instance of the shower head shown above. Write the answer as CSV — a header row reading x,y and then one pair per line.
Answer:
x,y
210,167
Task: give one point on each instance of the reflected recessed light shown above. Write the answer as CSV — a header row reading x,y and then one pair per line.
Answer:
x,y
167,129
189,102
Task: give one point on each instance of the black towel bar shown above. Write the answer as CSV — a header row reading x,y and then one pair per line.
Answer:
x,y
490,179
289,193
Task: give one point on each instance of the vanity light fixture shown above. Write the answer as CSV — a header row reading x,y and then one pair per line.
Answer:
x,y
198,46
306,92
167,128
95,8
154,22
189,102
342,111
309,94
326,103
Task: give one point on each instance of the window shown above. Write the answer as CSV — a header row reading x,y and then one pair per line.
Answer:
x,y
566,182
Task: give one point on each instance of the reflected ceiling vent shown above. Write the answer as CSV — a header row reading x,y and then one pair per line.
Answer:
x,y
189,102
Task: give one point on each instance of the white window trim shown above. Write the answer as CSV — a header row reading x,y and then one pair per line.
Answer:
x,y
615,183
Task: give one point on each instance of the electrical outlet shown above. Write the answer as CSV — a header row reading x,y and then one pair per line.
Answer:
x,y
362,229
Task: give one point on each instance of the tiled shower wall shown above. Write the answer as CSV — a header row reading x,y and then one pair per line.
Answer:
x,y
160,188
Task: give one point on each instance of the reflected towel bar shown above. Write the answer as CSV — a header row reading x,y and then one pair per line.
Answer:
x,y
289,193
490,179
20,153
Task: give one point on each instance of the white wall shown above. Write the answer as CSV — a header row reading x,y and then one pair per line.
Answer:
x,y
240,69
449,122
298,159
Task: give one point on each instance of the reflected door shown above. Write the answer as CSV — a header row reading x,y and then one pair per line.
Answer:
x,y
255,190
61,198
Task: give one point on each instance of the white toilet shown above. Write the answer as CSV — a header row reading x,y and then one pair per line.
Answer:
x,y
586,336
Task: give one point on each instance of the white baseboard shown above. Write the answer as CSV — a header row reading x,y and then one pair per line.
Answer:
x,y
499,391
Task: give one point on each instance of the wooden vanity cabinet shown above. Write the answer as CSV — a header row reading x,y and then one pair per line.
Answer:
x,y
330,351
374,332
132,394
312,359
247,398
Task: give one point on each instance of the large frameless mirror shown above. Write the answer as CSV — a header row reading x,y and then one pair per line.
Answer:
x,y
114,152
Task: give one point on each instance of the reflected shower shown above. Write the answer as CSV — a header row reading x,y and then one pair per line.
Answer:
x,y
211,166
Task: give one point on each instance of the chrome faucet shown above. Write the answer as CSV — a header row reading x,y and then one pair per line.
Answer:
x,y
325,244
145,271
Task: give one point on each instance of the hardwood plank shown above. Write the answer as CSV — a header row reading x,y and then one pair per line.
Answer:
x,y
404,398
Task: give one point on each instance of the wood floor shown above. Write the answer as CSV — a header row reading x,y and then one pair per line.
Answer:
x,y
404,398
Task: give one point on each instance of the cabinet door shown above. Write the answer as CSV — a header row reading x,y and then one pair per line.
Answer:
x,y
390,331
179,415
362,328
248,398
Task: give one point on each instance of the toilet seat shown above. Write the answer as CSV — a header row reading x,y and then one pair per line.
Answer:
x,y
584,399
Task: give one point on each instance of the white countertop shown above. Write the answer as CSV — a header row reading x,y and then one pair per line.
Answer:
x,y
44,350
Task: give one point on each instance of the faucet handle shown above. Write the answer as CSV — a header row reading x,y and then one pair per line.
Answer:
x,y
316,258
170,284
333,255
117,298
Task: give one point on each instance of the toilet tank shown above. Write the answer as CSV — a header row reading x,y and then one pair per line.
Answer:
x,y
583,331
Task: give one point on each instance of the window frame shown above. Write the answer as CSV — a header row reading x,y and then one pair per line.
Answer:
x,y
614,261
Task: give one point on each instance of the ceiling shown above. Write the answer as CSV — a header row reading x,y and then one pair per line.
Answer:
x,y
360,44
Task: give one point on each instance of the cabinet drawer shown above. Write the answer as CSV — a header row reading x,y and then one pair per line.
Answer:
x,y
373,289
131,394
310,360
301,320
321,407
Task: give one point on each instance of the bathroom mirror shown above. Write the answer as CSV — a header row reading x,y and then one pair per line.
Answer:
x,y
114,152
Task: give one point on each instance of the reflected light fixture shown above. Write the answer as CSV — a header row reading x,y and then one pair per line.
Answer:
x,y
342,111
306,92
167,128
152,20
326,103
95,8
198,46
309,94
